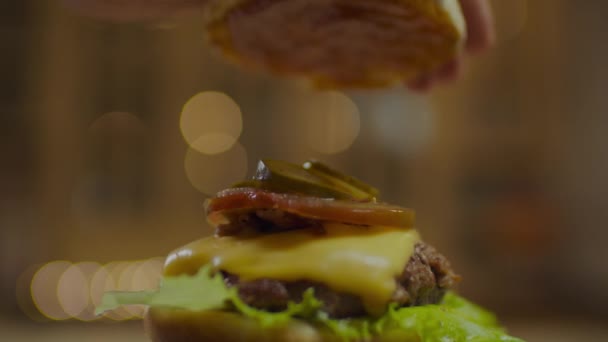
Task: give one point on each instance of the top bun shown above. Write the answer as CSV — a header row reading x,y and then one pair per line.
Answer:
x,y
339,43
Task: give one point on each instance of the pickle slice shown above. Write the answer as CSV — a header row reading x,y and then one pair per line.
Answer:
x,y
285,188
281,176
346,183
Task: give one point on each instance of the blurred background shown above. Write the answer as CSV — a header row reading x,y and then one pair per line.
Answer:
x,y
112,134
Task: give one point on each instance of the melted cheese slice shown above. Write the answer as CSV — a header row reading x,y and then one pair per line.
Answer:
x,y
363,261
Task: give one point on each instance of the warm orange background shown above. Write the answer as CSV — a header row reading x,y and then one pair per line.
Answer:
x,y
506,168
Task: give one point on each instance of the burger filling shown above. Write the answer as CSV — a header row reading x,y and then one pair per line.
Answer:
x,y
424,280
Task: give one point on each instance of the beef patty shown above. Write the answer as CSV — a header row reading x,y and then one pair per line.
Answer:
x,y
425,279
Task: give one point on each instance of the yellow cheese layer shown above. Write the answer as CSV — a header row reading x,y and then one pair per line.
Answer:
x,y
358,260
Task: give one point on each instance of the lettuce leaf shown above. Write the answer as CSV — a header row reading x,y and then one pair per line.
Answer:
x,y
201,292
307,308
454,320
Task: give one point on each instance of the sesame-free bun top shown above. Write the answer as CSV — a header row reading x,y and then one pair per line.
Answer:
x,y
338,43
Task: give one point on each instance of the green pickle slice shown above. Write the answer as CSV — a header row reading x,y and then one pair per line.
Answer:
x,y
313,178
287,188
346,183
281,176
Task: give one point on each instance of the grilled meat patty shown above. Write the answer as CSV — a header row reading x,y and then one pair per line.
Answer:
x,y
425,279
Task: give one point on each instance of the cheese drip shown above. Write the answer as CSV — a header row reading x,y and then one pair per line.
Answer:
x,y
363,261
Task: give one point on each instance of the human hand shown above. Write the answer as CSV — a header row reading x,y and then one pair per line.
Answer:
x,y
480,37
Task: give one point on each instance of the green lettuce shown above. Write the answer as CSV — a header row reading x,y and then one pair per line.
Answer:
x,y
201,292
307,308
454,320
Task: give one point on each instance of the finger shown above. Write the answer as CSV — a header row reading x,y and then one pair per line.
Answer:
x,y
480,24
450,71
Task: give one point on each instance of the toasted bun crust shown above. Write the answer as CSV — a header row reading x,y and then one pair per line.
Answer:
x,y
338,43
172,325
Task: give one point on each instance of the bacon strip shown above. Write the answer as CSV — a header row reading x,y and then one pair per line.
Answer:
x,y
351,212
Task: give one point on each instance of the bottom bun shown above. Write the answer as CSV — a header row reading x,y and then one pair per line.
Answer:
x,y
174,325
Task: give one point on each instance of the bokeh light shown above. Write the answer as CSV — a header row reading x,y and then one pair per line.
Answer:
x,y
101,282
115,270
44,290
403,124
211,122
62,290
125,280
126,275
89,270
147,275
73,291
331,120
211,173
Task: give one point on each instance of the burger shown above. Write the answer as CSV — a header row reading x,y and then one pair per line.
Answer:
x,y
338,43
306,253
